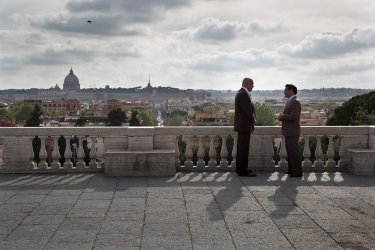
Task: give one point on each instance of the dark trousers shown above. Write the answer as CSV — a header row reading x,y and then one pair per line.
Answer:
x,y
294,158
243,145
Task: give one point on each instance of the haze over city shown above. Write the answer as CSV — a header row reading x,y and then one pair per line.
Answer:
x,y
195,44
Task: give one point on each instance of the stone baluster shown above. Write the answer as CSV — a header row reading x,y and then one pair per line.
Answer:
x,y
93,164
80,155
43,154
200,164
55,154
224,152
212,153
177,153
68,155
330,153
33,163
283,162
342,162
234,152
306,153
188,153
318,153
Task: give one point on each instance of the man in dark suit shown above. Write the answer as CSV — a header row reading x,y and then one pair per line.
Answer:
x,y
244,121
291,130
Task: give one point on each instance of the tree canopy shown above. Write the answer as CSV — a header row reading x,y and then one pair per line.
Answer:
x,y
34,119
135,119
5,114
265,116
359,110
147,119
116,117
22,113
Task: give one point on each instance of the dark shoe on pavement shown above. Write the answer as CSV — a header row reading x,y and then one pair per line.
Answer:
x,y
287,172
295,175
247,174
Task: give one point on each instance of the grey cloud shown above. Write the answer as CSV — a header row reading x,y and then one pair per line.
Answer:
x,y
124,53
53,56
110,17
11,39
213,29
128,11
101,25
225,61
259,28
84,6
327,45
346,68
9,65
130,6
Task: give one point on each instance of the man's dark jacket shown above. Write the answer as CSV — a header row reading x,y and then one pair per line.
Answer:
x,y
244,115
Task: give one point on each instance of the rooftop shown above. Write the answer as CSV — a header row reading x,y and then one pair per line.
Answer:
x,y
187,211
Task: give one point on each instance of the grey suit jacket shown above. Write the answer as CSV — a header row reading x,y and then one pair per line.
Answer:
x,y
291,118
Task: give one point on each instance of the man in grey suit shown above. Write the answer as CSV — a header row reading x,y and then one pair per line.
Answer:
x,y
244,121
291,130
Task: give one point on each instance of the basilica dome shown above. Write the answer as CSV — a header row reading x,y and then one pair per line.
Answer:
x,y
71,82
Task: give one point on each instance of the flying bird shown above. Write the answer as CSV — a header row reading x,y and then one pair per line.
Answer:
x,y
89,21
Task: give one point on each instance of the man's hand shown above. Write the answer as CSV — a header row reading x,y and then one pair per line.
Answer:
x,y
280,117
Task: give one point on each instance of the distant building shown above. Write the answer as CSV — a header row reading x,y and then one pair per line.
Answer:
x,y
113,105
128,105
71,82
145,105
7,122
204,118
313,118
62,107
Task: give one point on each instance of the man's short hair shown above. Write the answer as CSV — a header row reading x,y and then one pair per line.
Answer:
x,y
247,79
292,87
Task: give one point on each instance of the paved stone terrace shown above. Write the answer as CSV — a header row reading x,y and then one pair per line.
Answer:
x,y
188,211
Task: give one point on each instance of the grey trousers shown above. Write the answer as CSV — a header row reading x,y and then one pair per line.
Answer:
x,y
294,158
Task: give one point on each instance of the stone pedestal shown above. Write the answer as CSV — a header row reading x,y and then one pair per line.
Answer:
x,y
140,158
362,161
140,163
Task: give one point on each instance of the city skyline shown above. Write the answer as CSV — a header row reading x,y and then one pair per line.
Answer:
x,y
188,43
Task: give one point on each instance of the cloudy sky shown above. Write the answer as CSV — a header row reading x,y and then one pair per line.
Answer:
x,y
196,44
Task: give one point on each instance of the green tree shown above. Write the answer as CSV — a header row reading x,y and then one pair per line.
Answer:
x,y
359,110
135,119
178,112
175,120
116,117
5,114
231,118
265,116
147,119
23,113
34,120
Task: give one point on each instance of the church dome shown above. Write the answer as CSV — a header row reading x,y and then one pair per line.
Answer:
x,y
71,81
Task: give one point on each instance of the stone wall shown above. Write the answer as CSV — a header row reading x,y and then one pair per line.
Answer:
x,y
204,150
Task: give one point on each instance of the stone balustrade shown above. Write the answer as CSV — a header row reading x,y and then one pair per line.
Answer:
x,y
92,149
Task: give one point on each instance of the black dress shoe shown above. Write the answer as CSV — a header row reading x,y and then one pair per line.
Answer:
x,y
295,175
287,172
247,174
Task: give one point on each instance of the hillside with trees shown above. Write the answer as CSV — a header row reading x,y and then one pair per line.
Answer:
x,y
359,110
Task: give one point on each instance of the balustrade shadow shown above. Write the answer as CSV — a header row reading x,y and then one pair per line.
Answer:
x,y
284,198
227,196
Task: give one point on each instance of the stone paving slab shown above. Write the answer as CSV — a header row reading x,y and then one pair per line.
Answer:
x,y
187,211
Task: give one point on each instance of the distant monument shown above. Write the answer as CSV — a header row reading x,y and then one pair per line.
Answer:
x,y
71,82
